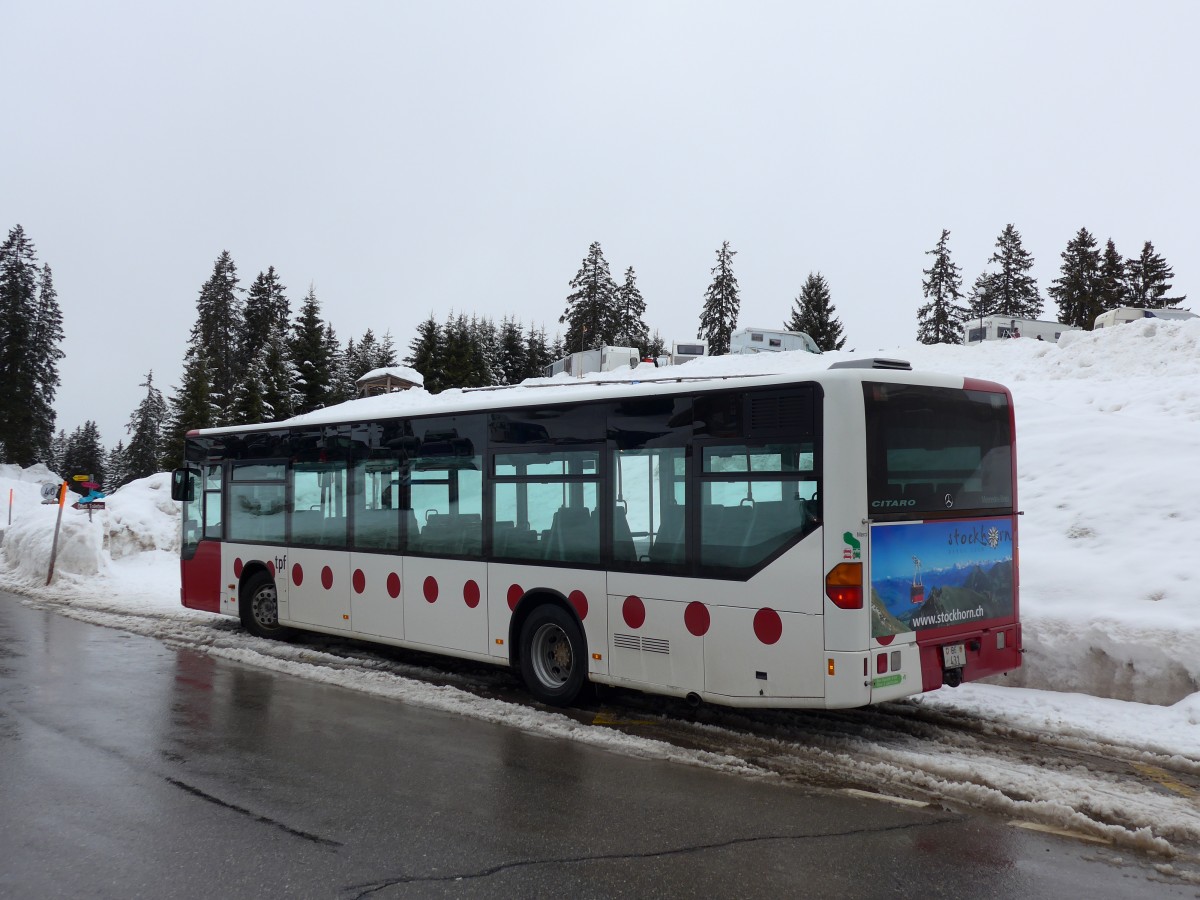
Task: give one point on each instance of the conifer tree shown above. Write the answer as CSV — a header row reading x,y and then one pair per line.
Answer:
x,y
116,467
248,407
1077,288
722,304
220,322
44,355
813,314
268,312
538,354
84,453
425,354
58,449
1013,292
655,347
940,320
1149,280
510,361
590,314
30,332
1112,290
312,356
631,309
191,407
146,427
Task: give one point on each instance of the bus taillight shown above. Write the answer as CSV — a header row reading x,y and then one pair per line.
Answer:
x,y
843,585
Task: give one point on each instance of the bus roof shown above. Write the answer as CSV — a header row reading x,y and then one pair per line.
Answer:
x,y
708,374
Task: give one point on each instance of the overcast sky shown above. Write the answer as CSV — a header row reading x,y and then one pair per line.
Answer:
x,y
414,157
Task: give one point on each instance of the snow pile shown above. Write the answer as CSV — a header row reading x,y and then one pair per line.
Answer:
x,y
1108,427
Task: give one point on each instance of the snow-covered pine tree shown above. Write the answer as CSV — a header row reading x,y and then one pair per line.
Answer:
x,y
312,356
1077,288
940,320
1112,290
425,354
510,356
1014,292
722,304
85,453
655,347
30,332
116,467
191,407
538,353
146,425
813,314
218,330
590,315
1148,278
248,407
44,355
631,311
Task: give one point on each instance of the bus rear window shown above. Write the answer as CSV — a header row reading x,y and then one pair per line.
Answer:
x,y
937,450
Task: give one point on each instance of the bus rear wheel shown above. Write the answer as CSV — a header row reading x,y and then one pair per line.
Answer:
x,y
553,656
259,609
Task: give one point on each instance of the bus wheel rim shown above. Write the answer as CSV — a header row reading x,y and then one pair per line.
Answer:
x,y
265,607
552,657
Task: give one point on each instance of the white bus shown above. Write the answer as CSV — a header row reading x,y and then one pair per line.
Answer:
x,y
829,538
1122,315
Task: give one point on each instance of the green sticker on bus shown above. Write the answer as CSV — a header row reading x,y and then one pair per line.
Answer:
x,y
887,681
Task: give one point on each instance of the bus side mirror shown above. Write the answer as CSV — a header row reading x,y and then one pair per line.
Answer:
x,y
183,485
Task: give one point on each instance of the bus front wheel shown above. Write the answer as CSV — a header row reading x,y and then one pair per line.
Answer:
x,y
553,656
259,608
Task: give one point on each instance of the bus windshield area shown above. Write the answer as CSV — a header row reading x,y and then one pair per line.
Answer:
x,y
933,450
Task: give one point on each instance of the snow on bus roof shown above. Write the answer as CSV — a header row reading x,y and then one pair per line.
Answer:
x,y
757,369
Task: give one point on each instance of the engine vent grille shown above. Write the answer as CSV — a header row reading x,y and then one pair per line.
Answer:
x,y
647,645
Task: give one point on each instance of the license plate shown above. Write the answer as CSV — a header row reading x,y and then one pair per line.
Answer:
x,y
955,656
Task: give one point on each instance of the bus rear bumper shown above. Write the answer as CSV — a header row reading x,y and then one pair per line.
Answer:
x,y
983,652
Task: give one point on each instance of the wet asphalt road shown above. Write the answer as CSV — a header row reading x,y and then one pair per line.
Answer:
x,y
132,769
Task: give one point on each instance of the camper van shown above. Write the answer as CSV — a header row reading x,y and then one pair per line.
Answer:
x,y
1124,314
994,328
601,359
686,351
770,340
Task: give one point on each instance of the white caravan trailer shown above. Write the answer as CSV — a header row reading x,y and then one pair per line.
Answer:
x,y
601,359
685,351
994,328
1124,314
770,340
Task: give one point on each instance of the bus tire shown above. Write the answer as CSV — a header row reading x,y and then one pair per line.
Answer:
x,y
553,655
259,607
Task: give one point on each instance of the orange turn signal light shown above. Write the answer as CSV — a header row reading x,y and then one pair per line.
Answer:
x,y
844,585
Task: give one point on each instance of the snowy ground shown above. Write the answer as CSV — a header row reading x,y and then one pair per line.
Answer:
x,y
1109,439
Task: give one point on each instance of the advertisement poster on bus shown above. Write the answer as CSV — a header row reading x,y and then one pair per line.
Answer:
x,y
937,574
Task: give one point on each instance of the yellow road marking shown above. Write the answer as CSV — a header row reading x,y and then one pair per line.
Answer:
x,y
1163,777
1061,832
605,719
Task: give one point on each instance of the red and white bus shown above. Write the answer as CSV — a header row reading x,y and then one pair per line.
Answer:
x,y
829,538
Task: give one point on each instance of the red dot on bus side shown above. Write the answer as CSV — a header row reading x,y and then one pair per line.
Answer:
x,y
297,575
579,601
359,581
237,568
431,588
768,627
271,567
696,618
327,578
515,593
886,639
393,585
633,611
471,593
